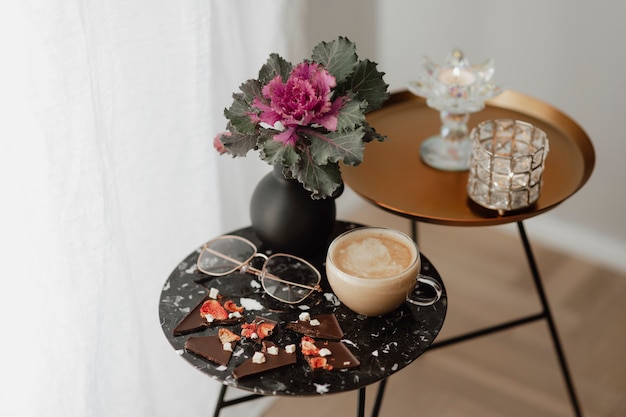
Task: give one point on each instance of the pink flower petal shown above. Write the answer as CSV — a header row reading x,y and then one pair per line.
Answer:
x,y
218,144
288,137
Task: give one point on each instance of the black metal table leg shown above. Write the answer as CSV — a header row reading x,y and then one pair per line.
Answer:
x,y
545,314
414,231
379,397
549,319
360,411
221,403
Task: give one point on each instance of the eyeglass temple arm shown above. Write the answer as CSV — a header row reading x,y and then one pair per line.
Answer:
x,y
245,267
275,278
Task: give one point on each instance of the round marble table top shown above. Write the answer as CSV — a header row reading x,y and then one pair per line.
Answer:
x,y
383,345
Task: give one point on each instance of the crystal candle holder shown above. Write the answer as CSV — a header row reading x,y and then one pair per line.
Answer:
x,y
455,89
506,165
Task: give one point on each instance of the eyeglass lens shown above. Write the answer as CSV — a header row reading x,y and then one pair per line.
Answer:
x,y
297,278
225,255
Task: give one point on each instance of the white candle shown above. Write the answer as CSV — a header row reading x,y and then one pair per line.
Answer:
x,y
456,76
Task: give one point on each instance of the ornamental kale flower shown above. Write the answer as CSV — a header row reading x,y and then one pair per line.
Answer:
x,y
303,100
308,118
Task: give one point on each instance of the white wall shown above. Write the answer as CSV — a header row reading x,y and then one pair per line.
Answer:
x,y
566,53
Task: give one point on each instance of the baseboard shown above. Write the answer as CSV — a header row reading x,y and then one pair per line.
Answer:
x,y
577,240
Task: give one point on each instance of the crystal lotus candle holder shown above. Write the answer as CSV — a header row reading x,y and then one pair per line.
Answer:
x,y
506,165
455,89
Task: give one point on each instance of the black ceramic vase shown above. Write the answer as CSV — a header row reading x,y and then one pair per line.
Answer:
x,y
286,218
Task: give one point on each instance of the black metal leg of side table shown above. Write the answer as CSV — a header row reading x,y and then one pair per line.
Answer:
x,y
414,231
360,410
379,397
545,314
549,319
221,403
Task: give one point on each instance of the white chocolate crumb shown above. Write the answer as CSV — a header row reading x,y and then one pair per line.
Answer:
x,y
315,322
290,348
209,318
250,304
346,363
304,316
272,350
234,314
227,346
258,357
325,352
321,388
213,293
254,336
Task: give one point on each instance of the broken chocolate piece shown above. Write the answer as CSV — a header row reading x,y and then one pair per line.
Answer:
x,y
340,356
194,322
328,327
249,367
210,348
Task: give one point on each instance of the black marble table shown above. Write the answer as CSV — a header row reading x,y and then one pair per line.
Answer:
x,y
383,345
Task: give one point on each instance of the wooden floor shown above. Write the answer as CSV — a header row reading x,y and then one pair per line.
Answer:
x,y
514,373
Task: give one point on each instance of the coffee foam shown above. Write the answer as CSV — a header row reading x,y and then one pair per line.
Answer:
x,y
372,255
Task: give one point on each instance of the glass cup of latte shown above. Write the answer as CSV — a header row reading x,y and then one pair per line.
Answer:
x,y
373,270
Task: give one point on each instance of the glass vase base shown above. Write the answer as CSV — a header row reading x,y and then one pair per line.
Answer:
x,y
446,155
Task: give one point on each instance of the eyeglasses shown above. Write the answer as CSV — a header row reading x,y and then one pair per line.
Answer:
x,y
285,277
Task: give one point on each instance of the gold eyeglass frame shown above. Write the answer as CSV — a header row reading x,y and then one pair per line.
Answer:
x,y
245,267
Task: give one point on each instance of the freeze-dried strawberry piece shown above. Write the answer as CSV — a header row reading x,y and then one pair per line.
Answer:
x,y
317,362
258,329
307,345
232,307
214,309
227,336
264,329
249,330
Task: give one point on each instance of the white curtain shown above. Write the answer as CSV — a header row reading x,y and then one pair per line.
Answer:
x,y
108,180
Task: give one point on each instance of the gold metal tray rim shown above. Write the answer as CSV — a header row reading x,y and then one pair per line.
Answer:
x,y
462,211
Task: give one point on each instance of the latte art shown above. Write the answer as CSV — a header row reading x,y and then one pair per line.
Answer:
x,y
372,256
